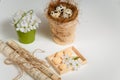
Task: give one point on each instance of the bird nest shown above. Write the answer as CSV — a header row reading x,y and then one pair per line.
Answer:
x,y
52,6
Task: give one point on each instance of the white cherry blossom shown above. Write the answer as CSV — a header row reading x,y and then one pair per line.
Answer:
x,y
70,62
26,21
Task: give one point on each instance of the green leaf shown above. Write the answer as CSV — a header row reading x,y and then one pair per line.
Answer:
x,y
76,58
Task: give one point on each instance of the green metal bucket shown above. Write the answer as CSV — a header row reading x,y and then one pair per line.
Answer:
x,y
26,38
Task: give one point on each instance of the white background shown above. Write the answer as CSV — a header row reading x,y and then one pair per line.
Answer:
x,y
97,38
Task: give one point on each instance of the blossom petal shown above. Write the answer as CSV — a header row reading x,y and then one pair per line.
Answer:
x,y
22,29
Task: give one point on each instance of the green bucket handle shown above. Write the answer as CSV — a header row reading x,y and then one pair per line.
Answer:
x,y
29,12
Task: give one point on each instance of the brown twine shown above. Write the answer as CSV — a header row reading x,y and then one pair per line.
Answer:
x,y
63,30
21,57
14,60
11,60
39,50
18,59
63,33
8,61
21,72
31,58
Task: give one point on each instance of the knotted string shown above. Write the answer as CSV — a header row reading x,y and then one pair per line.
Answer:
x,y
38,50
14,58
8,61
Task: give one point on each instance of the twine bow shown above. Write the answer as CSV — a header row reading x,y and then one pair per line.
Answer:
x,y
14,59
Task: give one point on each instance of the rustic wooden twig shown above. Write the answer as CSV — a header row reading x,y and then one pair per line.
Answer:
x,y
27,62
25,65
34,61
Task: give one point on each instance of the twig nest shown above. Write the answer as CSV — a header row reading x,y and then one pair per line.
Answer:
x,y
62,11
26,21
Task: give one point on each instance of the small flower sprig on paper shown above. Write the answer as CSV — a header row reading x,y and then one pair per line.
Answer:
x,y
26,21
61,11
73,62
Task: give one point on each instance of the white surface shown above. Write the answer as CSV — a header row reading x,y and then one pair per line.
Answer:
x,y
97,38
